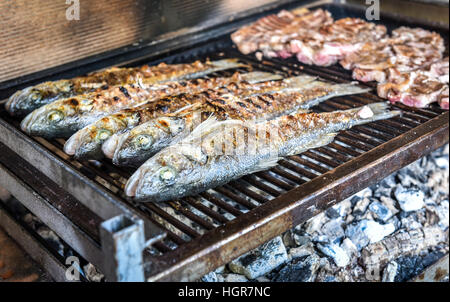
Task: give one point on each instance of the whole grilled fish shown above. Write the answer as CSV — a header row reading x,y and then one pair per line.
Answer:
x,y
31,98
135,146
65,116
87,142
218,152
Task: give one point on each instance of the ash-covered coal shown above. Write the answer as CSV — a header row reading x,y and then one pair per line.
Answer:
x,y
388,232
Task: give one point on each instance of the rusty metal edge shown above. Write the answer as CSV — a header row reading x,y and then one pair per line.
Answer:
x,y
32,247
90,194
49,215
196,258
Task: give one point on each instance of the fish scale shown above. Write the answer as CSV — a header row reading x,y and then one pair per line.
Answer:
x,y
31,98
139,143
212,155
83,146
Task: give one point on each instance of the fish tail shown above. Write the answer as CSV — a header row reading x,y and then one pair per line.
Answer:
x,y
300,81
348,89
227,64
373,112
12,103
260,76
337,90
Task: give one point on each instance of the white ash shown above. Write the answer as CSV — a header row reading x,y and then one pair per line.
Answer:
x,y
402,223
235,278
262,260
390,271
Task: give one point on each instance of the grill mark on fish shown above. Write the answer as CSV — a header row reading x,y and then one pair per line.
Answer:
x,y
125,91
241,108
285,136
31,98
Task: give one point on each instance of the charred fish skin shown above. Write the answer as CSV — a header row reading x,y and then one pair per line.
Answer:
x,y
138,144
194,164
25,101
86,143
134,146
79,111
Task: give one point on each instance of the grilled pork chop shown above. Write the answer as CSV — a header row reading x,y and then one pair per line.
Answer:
x,y
420,87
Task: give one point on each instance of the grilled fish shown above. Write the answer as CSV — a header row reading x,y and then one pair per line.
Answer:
x,y
64,117
87,142
218,152
31,98
135,146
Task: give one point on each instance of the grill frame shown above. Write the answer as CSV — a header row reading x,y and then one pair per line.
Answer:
x,y
248,230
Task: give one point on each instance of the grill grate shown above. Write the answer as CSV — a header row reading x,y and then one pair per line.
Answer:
x,y
189,219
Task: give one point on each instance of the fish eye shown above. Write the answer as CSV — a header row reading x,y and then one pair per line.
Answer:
x,y
167,174
144,141
103,134
55,116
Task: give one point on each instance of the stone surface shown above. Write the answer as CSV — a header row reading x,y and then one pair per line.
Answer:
x,y
315,224
210,277
301,251
410,223
443,214
301,270
368,231
390,271
333,230
336,253
410,199
442,162
301,239
361,207
262,260
349,247
390,204
235,278
367,192
380,211
288,239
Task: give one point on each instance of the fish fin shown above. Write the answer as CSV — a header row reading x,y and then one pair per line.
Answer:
x,y
265,164
336,91
227,64
189,108
260,76
320,142
348,89
208,126
373,112
300,81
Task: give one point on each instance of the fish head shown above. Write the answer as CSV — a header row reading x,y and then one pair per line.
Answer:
x,y
174,172
58,119
138,144
24,101
87,142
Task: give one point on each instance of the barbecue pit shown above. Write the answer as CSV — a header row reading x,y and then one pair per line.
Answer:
x,y
83,202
